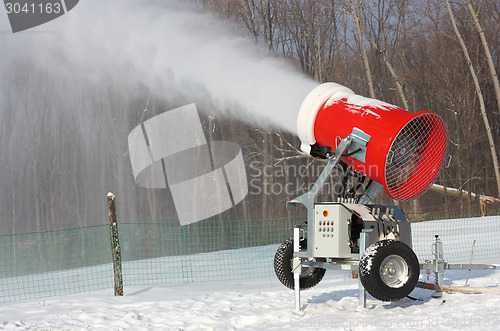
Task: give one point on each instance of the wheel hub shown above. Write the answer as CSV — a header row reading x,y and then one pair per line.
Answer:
x,y
394,271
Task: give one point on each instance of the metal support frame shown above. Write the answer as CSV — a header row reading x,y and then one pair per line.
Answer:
x,y
363,239
337,264
369,197
438,265
438,252
356,138
296,267
356,144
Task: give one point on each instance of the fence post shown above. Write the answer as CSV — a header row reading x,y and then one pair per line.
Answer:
x,y
115,246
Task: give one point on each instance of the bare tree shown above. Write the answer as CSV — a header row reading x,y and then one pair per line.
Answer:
x,y
479,96
489,58
382,52
355,13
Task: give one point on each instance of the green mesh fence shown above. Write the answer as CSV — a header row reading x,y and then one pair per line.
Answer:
x,y
42,264
472,241
422,217
201,252
468,236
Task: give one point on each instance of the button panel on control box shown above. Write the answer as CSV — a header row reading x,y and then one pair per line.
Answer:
x,y
326,228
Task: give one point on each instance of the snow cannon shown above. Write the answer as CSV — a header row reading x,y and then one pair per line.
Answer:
x,y
404,151
377,145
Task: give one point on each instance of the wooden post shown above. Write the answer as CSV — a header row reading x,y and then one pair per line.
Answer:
x,y
115,246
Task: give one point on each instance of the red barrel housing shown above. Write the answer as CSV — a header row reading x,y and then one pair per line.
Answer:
x,y
405,151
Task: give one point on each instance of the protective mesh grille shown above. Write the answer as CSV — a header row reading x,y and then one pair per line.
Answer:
x,y
415,157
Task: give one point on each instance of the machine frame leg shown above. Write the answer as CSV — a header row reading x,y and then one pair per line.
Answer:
x,y
363,239
296,267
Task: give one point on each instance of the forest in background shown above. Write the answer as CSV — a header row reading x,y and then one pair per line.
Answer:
x,y
57,166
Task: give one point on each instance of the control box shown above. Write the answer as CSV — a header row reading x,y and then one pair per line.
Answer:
x,y
331,231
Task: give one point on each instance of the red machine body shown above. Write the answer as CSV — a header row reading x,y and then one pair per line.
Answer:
x,y
405,152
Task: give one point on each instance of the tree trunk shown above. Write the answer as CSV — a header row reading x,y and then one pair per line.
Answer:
x,y
265,180
480,97
390,68
355,15
491,65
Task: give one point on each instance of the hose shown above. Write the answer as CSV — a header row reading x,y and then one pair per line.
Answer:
x,y
461,289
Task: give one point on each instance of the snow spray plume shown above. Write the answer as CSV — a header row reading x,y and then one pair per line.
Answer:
x,y
172,51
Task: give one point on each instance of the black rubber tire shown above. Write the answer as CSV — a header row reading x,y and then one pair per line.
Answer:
x,y
283,268
389,284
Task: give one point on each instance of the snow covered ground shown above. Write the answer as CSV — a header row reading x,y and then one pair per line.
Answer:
x,y
262,304
265,304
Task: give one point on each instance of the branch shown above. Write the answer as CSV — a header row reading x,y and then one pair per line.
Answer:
x,y
456,192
